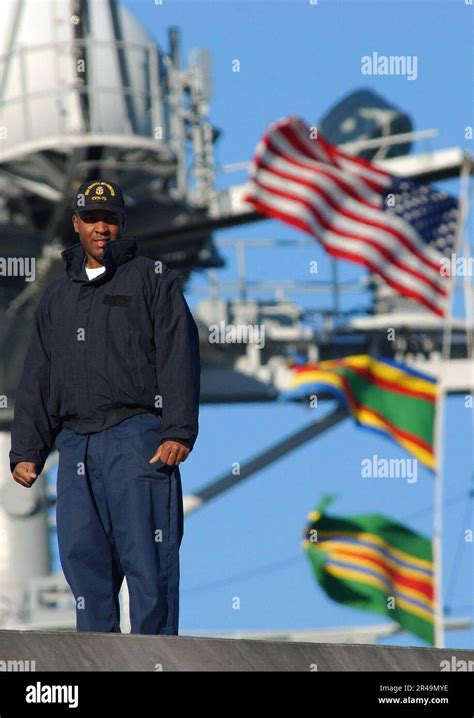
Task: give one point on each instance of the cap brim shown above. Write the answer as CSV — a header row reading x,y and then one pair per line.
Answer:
x,y
114,210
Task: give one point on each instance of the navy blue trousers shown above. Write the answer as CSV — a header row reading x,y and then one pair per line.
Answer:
x,y
118,515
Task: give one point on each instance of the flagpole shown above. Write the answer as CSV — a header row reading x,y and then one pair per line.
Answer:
x,y
439,418
469,307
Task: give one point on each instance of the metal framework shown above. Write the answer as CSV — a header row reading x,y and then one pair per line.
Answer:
x,y
168,160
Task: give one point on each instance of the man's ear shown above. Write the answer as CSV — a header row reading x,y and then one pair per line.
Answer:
x,y
124,221
75,223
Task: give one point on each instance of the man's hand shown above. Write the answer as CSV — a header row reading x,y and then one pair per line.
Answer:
x,y
25,473
171,453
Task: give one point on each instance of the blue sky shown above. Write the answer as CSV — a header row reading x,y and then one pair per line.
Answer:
x,y
298,58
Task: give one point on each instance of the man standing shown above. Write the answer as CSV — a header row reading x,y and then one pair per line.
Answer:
x,y
112,376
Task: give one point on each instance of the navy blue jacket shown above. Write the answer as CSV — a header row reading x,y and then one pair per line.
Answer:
x,y
104,349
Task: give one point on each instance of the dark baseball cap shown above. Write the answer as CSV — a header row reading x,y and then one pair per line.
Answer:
x,y
99,194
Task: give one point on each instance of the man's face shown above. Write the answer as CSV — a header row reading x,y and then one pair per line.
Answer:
x,y
97,227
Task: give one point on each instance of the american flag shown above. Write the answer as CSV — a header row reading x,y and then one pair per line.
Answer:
x,y
397,228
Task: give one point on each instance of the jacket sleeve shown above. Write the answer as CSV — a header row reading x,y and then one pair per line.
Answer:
x,y
178,365
183,441
33,432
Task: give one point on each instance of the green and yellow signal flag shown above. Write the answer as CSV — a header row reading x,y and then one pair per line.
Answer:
x,y
382,394
375,564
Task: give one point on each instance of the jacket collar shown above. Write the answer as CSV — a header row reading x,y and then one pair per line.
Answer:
x,y
117,252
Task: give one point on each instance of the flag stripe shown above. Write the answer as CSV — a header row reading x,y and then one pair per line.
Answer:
x,y
356,251
390,368
280,155
362,397
374,541
342,186
365,577
350,543
351,194
374,563
374,378
380,395
322,198
390,587
360,411
340,200
419,589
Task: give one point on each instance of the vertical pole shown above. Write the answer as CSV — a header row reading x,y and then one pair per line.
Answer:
x,y
439,421
241,268
335,290
156,103
175,85
24,93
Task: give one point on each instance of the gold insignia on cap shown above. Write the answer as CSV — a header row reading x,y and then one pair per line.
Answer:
x,y
110,188
100,188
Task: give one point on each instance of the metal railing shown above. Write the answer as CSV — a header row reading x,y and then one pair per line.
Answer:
x,y
30,56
